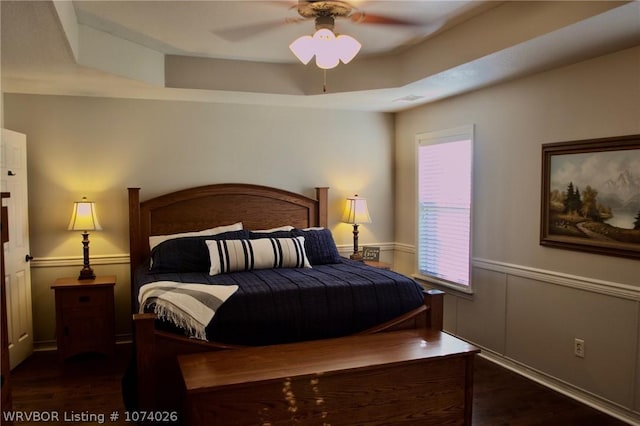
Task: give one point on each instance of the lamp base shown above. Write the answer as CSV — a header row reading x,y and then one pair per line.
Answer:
x,y
357,256
86,274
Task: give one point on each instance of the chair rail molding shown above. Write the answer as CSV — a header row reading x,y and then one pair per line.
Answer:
x,y
56,262
609,288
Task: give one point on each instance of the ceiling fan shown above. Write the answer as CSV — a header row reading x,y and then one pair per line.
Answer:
x,y
328,48
324,12
309,9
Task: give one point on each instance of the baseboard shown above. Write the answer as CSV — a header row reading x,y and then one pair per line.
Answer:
x,y
607,407
51,345
45,345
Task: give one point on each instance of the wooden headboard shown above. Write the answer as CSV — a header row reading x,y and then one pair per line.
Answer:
x,y
195,209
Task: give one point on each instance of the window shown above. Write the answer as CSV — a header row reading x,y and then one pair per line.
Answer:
x,y
444,205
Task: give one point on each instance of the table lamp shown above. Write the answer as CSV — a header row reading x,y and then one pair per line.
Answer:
x,y
83,218
356,212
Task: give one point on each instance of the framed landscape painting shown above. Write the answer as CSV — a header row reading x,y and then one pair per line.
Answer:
x,y
591,195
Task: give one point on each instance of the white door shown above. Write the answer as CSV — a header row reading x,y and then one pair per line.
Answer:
x,y
13,170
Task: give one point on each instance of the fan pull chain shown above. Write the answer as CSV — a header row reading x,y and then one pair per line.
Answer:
x,y
324,82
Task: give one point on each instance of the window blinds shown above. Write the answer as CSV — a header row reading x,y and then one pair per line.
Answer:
x,y
444,207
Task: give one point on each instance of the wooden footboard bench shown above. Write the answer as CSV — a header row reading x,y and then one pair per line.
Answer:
x,y
420,377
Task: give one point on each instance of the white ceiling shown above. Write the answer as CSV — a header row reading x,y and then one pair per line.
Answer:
x,y
206,28
186,50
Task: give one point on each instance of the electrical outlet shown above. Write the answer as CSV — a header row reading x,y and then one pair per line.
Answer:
x,y
578,347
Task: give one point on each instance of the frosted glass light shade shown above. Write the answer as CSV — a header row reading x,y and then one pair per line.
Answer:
x,y
347,48
303,48
328,49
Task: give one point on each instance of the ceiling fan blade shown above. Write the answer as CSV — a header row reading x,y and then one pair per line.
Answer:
x,y
420,35
247,31
360,17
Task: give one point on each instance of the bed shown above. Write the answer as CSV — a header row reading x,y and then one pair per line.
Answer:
x,y
346,297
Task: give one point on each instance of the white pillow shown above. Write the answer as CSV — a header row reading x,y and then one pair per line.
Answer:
x,y
279,228
157,239
264,253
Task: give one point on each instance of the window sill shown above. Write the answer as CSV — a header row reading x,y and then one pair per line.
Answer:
x,y
448,288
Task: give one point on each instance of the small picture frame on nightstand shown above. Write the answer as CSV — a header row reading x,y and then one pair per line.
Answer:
x,y
371,253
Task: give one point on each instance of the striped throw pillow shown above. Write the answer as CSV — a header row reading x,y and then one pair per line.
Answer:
x,y
266,253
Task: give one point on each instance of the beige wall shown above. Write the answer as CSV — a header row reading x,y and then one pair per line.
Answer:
x,y
81,146
529,301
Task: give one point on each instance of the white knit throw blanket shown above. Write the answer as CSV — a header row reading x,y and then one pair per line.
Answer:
x,y
187,305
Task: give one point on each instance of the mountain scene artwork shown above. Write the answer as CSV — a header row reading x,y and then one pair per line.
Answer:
x,y
596,196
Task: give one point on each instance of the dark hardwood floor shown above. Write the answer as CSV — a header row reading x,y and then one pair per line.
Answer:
x,y
92,385
502,397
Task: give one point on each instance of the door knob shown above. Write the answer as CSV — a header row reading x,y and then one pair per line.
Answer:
x,y
28,258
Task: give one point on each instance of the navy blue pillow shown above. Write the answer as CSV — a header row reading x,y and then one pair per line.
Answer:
x,y
319,245
188,254
274,234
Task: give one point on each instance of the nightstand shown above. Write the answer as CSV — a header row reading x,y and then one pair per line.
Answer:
x,y
377,264
85,319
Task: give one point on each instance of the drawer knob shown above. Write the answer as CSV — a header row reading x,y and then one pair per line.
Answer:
x,y
84,299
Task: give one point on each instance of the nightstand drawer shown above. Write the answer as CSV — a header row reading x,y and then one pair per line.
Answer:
x,y
91,298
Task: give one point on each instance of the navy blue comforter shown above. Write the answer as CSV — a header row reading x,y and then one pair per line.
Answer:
x,y
286,305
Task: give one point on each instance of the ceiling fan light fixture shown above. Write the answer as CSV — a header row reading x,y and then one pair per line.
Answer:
x,y
303,48
328,49
347,48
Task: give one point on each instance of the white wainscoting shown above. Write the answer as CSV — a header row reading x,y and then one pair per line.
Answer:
x,y
526,319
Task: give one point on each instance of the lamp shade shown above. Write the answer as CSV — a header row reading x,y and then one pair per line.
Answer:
x,y
83,217
356,211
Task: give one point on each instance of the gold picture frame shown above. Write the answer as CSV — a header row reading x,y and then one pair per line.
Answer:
x,y
591,196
